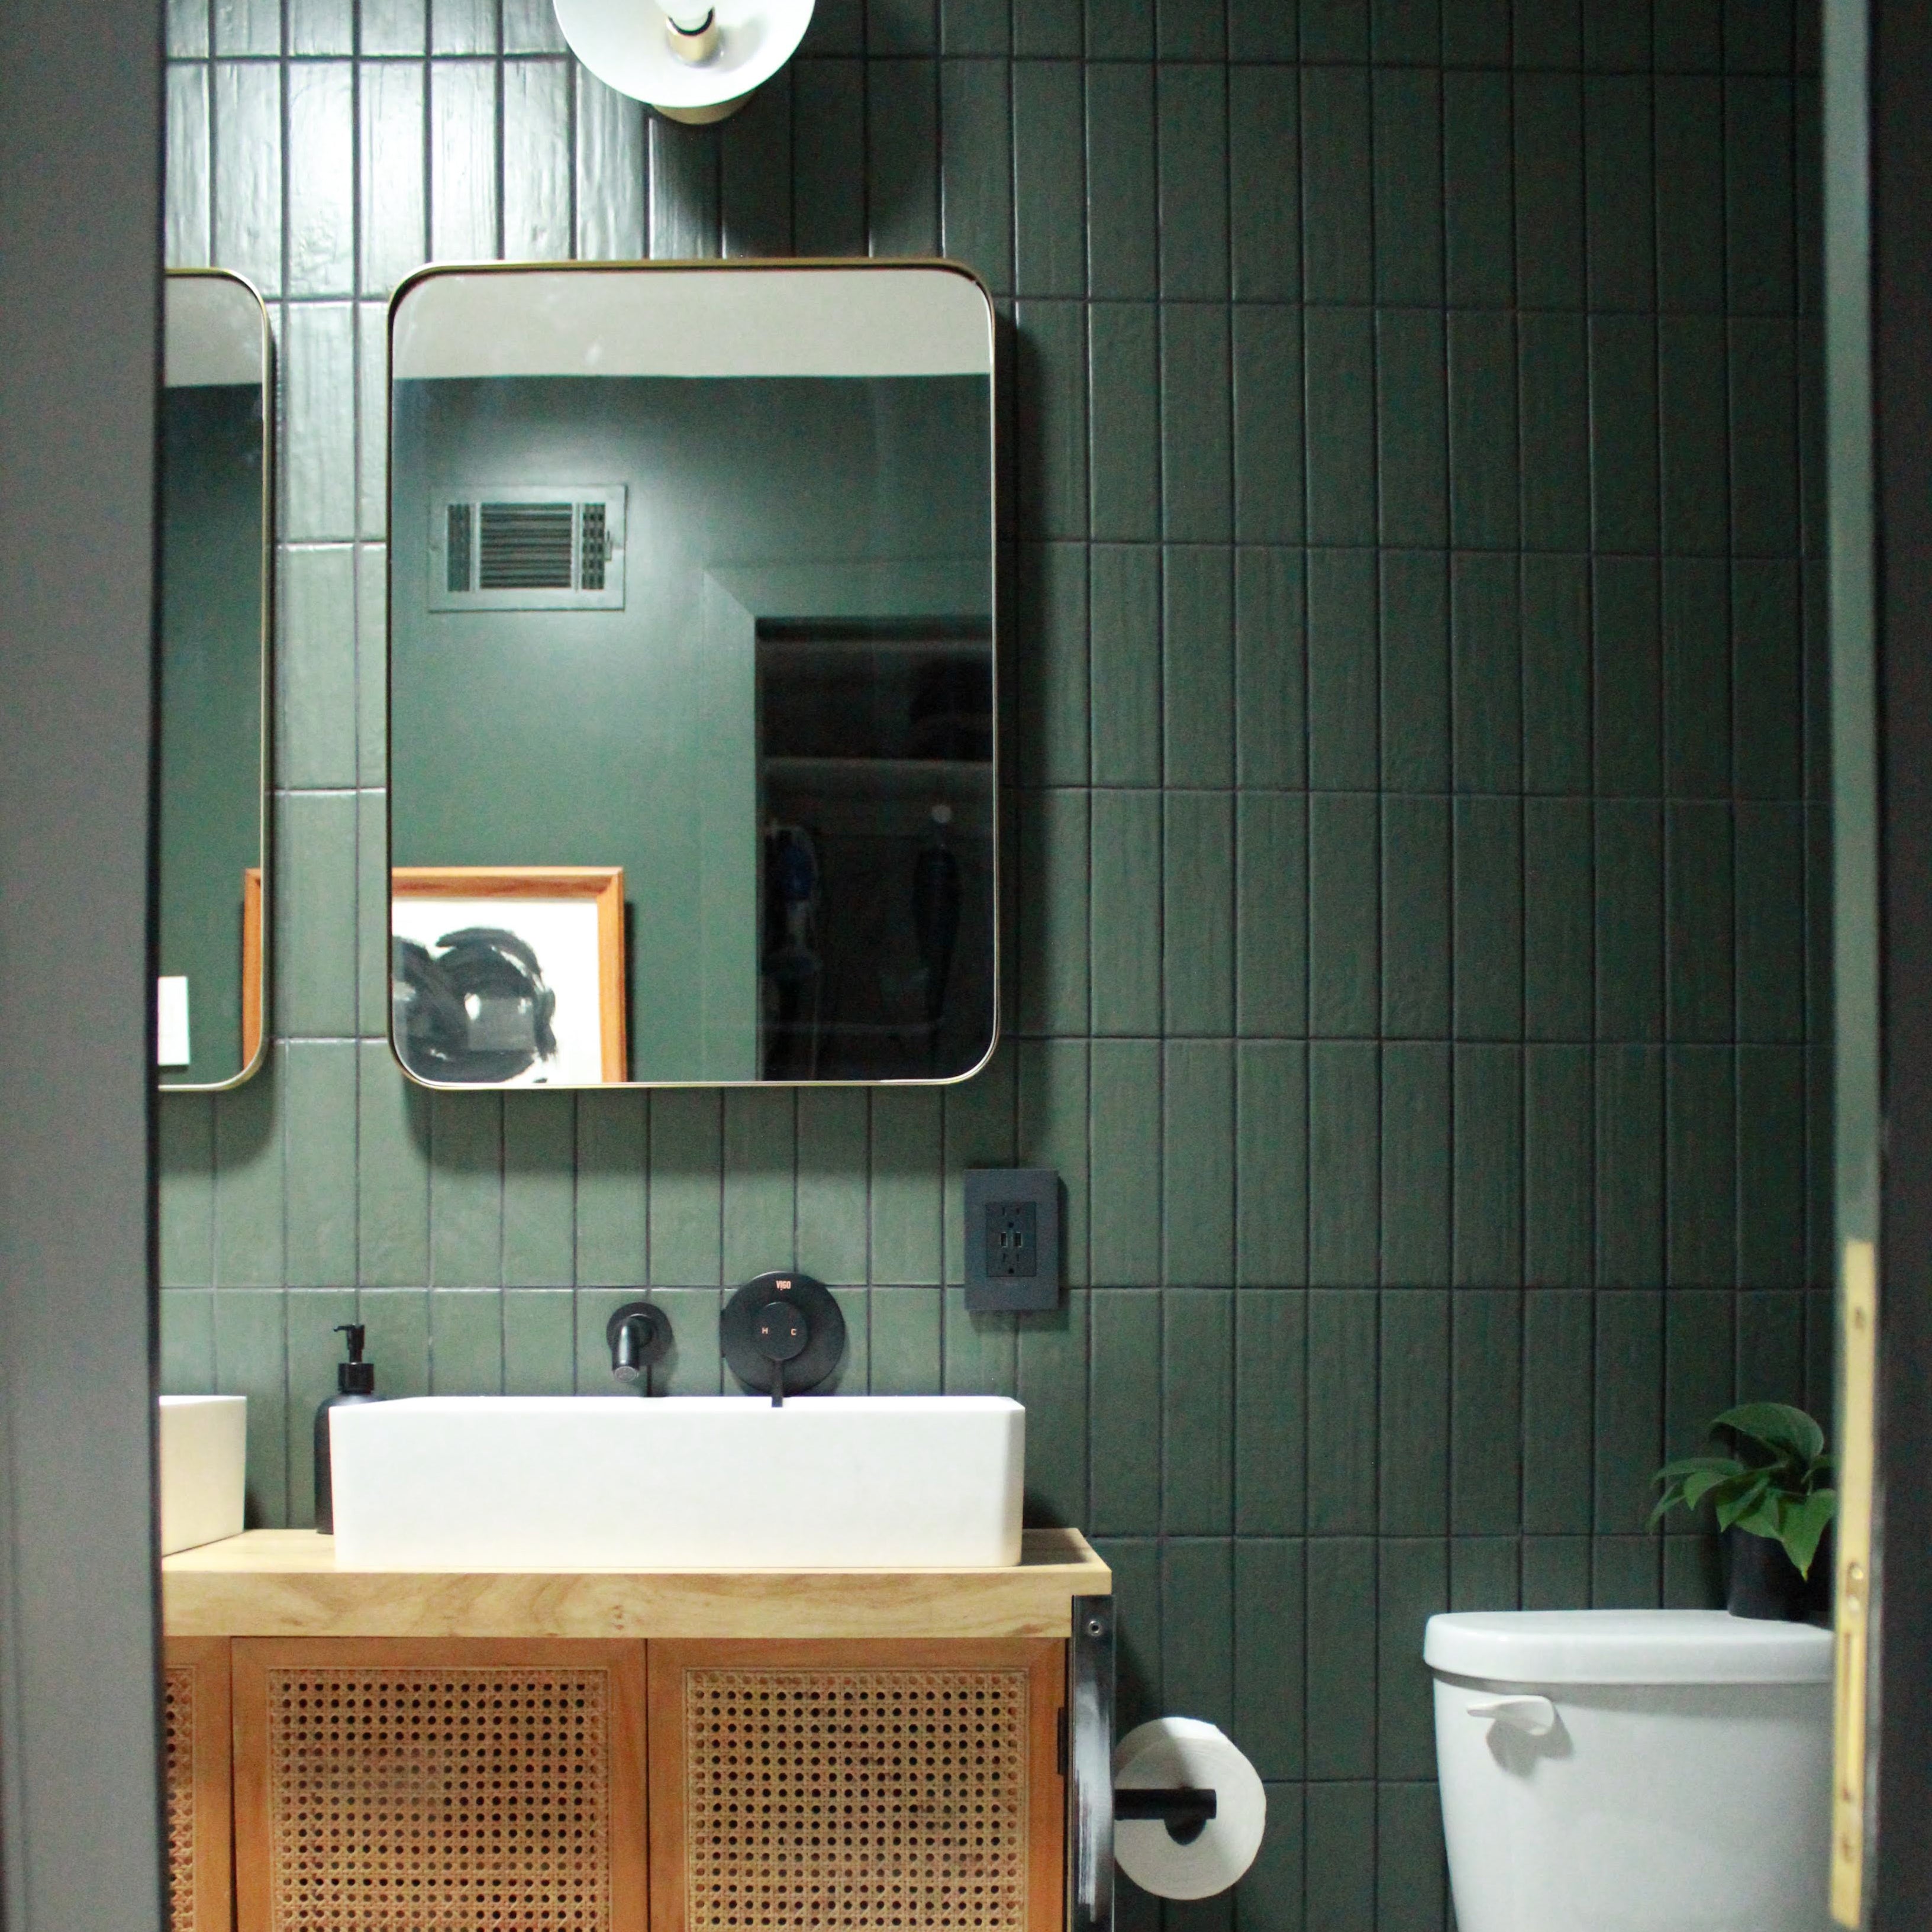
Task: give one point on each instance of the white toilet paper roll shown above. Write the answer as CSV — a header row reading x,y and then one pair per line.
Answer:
x,y
1190,1752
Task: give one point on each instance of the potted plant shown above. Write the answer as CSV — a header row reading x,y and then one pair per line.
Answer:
x,y
1772,1501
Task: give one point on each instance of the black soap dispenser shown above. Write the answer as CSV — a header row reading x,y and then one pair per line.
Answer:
x,y
355,1381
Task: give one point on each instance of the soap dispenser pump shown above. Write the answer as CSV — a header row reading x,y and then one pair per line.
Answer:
x,y
355,1381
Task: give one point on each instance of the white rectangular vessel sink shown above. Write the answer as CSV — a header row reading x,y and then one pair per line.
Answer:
x,y
204,1444
678,1482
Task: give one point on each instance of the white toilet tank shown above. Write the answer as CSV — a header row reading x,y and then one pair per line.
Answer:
x,y
1633,1771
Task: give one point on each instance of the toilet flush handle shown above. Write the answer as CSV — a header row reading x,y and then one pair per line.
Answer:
x,y
1534,1716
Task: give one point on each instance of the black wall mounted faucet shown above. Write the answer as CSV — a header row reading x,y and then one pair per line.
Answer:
x,y
782,1334
639,1334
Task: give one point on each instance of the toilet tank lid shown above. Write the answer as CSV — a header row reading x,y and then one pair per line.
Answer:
x,y
1625,1647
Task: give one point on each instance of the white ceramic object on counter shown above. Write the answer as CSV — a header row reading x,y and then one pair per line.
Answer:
x,y
204,1458
679,1482
1633,1771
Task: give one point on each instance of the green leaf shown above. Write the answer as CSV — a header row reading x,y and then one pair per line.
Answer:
x,y
1766,1519
1804,1523
1735,1508
1692,1465
1707,1482
1777,1426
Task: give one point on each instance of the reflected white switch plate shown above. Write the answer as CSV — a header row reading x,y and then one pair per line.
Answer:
x,y
171,1021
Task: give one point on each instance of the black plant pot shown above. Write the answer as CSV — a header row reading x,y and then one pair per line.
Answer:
x,y
1763,1581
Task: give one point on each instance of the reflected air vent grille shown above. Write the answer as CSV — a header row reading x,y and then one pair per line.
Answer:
x,y
513,547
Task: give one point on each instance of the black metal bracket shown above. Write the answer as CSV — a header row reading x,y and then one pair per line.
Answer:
x,y
1090,1766
1182,1808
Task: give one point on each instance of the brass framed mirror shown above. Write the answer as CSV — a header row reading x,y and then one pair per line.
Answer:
x,y
216,472
691,575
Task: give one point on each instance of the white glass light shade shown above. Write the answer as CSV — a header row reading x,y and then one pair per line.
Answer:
x,y
625,44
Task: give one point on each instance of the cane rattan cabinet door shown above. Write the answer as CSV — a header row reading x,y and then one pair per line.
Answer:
x,y
873,1786
196,1746
468,1785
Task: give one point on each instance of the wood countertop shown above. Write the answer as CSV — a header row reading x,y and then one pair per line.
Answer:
x,y
284,1582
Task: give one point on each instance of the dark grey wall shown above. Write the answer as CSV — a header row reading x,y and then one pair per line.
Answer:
x,y
79,327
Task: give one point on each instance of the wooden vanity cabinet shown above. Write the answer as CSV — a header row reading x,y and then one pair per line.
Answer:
x,y
196,1746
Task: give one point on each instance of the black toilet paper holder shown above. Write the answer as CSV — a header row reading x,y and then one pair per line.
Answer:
x,y
1183,1809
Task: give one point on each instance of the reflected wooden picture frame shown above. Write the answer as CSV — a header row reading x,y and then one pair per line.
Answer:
x,y
601,885
251,967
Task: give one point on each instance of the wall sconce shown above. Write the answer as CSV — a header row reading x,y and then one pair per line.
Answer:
x,y
691,60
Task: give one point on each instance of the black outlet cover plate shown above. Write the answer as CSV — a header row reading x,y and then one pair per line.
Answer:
x,y
988,1189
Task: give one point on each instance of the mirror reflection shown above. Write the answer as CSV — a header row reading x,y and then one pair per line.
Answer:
x,y
691,675
214,472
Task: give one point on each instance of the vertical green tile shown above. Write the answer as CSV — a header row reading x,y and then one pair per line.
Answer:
x,y
1127,1161
1767,753
905,1353
975,26
187,1341
1051,361
1629,1165
1548,144
1412,464
1558,891
1270,668
1054,912
1053,1132
1699,1346
1408,140
1337,176
314,1348
1332,30
1483,443
1623,432
1124,1459
1618,198
1548,34
1343,726
1046,27
1489,1142
372,992
1415,1165
1408,31
1263,184
1269,1592
1770,874
694,1366
1123,430
251,1359
1339,1861
248,1180
1344,1159
1759,188
1697,920
1198,689
539,1342
1764,437
1556,679
1341,1666
686,1158
1271,1163
1485,1573
979,1119
1771,1154
1049,180
1343,937
1192,30
540,1190
1487,663
1268,425
321,1184
1486,1430
1415,1390
1476,183
1196,426
465,1194
1124,604
613,1199
1270,1412
1696,677
901,158
1271,913
1555,1573
1416,713
1629,1421
831,1187
1135,1564
853,1374
185,1127
1693,1573
1616,35
398,1323
1053,687
1198,1616
392,1172
755,172
1692,408
1689,118
908,1199
1197,1412
1126,878
1489,893
313,914
1338,362
1630,919
1553,373
828,168
760,1182
1198,916
1476,33
1410,1874
1559,1331
1771,1346
1053,1354
1198,1155
1558,1224
1120,204
1628,728
1412,1585
1192,105
1415,917
466,1342
1624,1572
1342,1422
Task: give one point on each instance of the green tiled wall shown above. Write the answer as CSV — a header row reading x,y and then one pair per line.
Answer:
x,y
1412,516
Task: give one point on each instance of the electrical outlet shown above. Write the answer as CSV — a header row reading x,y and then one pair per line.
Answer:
x,y
1012,1243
